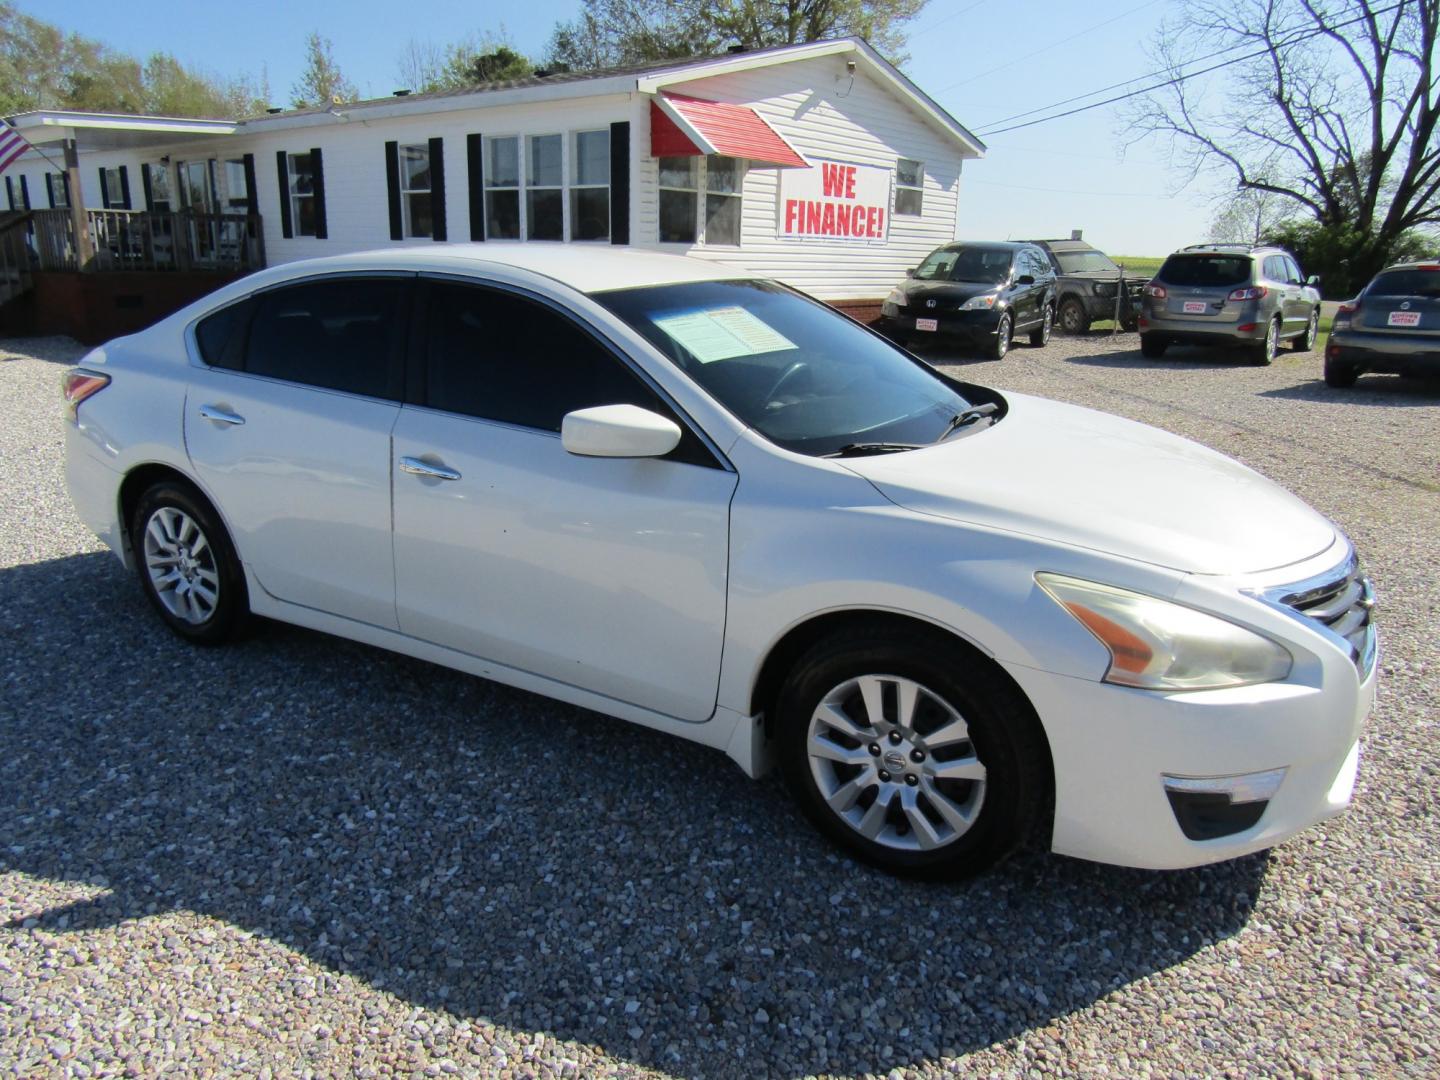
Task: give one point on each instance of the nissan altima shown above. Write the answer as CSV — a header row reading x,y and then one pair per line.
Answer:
x,y
701,501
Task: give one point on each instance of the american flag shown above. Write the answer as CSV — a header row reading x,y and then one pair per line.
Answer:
x,y
12,144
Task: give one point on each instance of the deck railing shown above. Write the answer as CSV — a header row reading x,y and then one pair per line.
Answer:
x,y
149,240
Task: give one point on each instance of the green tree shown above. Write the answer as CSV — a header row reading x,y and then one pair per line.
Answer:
x,y
609,33
321,83
427,67
1335,111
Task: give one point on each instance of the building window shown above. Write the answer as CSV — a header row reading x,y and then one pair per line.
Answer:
x,y
724,184
679,190
544,188
415,205
58,189
160,189
909,187
302,194
502,188
237,188
113,187
590,192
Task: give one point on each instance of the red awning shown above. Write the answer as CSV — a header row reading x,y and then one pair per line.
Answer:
x,y
686,127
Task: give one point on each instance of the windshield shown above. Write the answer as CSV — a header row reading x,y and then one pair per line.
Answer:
x,y
1216,271
1406,283
800,373
1085,262
989,265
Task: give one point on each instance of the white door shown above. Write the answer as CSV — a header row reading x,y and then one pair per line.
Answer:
x,y
289,430
605,574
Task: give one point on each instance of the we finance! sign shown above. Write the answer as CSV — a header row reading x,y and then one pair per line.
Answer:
x,y
834,200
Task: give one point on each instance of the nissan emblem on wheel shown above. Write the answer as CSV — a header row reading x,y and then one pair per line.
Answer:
x,y
673,492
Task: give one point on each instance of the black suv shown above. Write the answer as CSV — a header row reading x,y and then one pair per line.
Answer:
x,y
1086,285
985,293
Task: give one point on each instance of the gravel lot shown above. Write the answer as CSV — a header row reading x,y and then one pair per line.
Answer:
x,y
302,856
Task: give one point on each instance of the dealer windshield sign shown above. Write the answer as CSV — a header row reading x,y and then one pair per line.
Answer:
x,y
832,199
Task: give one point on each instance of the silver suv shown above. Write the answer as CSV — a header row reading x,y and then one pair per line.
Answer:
x,y
1230,294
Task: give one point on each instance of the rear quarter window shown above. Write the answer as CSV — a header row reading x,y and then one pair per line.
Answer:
x,y
221,335
1201,271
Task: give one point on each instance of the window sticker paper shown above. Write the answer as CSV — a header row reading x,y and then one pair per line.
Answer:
x,y
712,334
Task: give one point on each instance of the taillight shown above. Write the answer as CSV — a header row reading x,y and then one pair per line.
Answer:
x,y
1253,292
1157,291
1347,308
78,384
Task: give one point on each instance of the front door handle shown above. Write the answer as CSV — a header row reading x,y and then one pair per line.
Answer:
x,y
220,416
416,467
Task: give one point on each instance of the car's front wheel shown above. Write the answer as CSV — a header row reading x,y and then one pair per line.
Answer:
x,y
914,755
1306,341
1003,333
1073,319
1041,334
187,566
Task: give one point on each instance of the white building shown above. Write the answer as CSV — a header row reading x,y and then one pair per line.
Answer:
x,y
818,164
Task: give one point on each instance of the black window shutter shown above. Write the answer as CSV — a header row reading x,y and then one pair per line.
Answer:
x,y
104,189
437,189
317,169
282,170
149,188
10,193
620,182
65,184
25,192
392,178
252,197
50,189
125,187
475,163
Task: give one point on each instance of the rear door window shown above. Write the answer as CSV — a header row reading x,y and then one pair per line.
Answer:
x,y
1202,271
343,334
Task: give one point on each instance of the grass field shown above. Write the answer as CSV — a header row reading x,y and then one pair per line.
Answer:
x,y
1139,265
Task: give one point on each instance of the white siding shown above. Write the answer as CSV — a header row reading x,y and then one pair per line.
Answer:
x,y
824,114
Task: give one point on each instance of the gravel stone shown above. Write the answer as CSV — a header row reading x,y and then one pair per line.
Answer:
x,y
303,857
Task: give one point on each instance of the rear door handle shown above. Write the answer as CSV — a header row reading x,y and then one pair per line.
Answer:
x,y
416,467
220,416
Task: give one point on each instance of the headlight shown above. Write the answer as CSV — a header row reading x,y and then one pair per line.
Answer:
x,y
1104,288
897,297
1157,645
980,303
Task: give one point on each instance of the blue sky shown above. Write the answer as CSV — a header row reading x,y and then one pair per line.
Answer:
x,y
982,61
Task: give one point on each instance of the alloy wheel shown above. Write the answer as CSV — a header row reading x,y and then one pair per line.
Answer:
x,y
895,762
181,564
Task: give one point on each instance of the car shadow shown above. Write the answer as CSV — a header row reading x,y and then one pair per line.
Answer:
x,y
38,348
1391,390
486,852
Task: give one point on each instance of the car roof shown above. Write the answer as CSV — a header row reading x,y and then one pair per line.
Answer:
x,y
1065,245
585,267
989,245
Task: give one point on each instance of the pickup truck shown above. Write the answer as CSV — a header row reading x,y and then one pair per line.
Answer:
x,y
1086,282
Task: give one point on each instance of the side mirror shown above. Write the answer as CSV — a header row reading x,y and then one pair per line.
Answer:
x,y
910,271
620,431
1313,279
1025,279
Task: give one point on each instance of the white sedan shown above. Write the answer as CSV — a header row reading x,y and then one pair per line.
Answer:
x,y
671,492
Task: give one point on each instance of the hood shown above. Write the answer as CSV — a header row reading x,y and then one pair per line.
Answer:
x,y
919,291
1097,481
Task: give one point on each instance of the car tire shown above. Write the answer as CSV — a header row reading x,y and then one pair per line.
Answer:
x,y
1306,341
1130,325
1264,354
966,720
1071,316
1004,332
1153,346
187,565
1340,374
1041,334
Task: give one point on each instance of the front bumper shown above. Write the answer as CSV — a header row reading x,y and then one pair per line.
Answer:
x,y
1392,354
975,327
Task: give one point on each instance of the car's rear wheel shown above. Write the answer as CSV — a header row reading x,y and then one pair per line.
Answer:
x,y
1340,374
1306,341
1073,319
1041,334
916,757
187,565
1153,346
1264,354
1003,333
